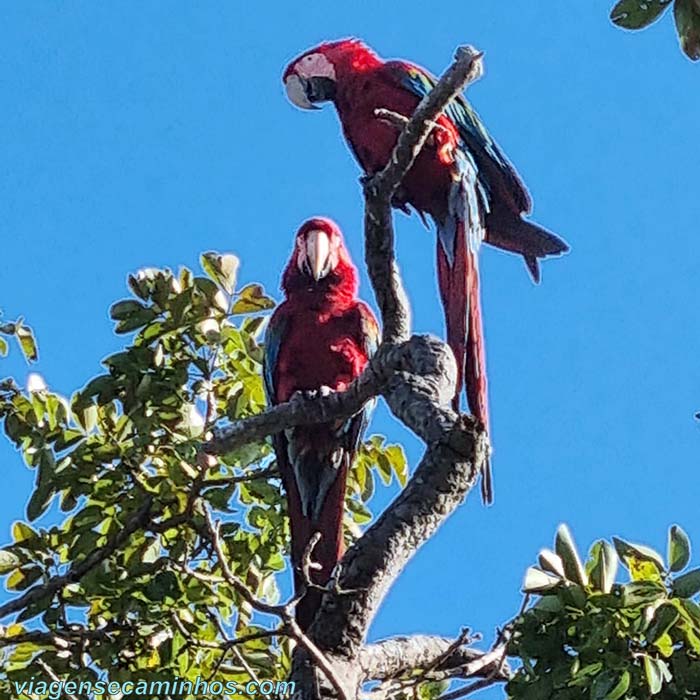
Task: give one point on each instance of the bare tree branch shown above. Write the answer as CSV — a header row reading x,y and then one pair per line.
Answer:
x,y
302,410
393,657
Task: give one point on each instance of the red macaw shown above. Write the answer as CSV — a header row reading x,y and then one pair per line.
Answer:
x,y
318,340
461,180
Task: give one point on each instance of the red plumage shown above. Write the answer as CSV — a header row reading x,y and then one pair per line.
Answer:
x,y
320,338
460,179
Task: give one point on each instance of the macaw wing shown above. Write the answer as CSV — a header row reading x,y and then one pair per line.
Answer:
x,y
274,336
493,165
370,336
369,329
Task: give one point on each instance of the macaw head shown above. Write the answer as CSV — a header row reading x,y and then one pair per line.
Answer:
x,y
320,262
313,77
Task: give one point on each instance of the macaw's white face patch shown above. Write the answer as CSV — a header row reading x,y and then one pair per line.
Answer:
x,y
315,65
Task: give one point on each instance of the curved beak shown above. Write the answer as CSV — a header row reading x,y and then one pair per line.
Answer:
x,y
297,92
318,251
306,92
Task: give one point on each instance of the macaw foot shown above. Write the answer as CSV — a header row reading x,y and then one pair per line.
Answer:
x,y
366,179
343,591
398,201
334,586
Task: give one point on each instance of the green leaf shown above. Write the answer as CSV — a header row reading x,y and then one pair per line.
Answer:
x,y
602,566
607,686
220,497
687,16
27,343
678,549
124,309
40,499
21,532
565,547
620,688
131,314
656,672
538,581
250,299
3,347
103,387
549,603
397,458
68,438
151,551
664,618
634,556
637,593
692,609
637,14
136,321
22,578
587,672
8,561
163,585
687,585
551,563
384,468
223,269
360,513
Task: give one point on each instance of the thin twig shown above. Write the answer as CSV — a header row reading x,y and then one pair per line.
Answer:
x,y
399,121
282,611
286,611
52,675
469,689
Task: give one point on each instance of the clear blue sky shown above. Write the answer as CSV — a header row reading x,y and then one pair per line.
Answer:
x,y
139,134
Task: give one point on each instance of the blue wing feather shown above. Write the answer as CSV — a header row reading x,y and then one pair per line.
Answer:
x,y
480,146
273,341
369,329
370,340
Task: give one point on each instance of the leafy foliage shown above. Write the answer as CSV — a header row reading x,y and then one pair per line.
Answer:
x,y
638,14
23,335
687,16
591,636
128,582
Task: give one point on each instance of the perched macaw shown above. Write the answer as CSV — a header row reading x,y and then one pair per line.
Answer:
x,y
461,180
318,340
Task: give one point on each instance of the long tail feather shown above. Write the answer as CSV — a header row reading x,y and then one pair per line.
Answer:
x,y
460,294
476,383
325,555
316,463
325,518
452,280
533,242
459,239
